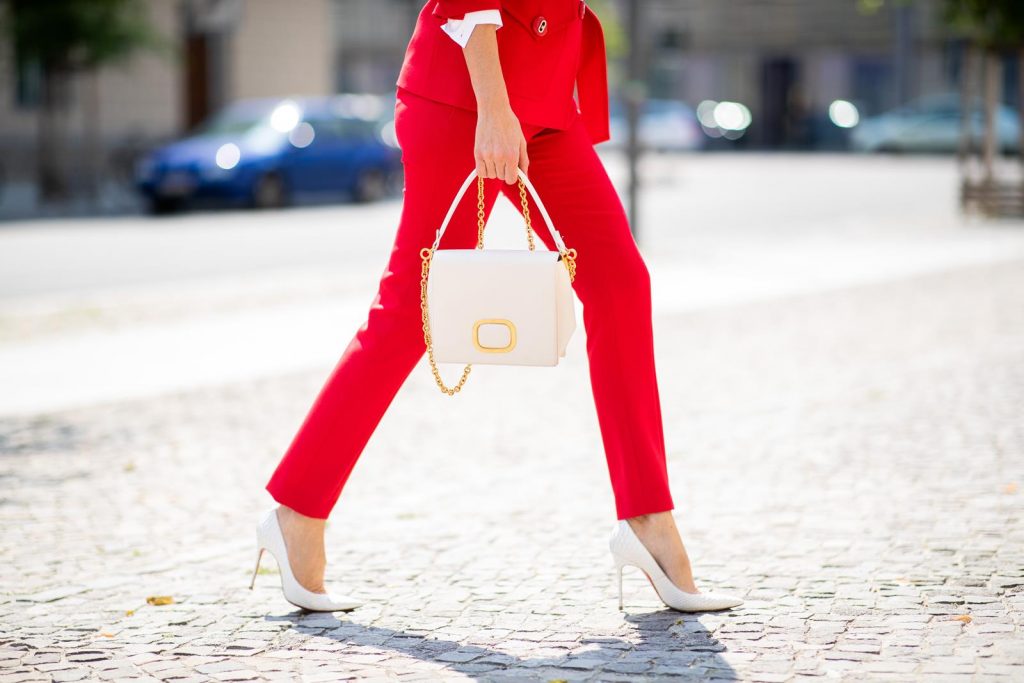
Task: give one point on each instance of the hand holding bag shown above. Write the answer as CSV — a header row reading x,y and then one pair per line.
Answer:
x,y
496,306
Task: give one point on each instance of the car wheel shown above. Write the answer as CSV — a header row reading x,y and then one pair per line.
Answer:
x,y
371,185
269,192
162,206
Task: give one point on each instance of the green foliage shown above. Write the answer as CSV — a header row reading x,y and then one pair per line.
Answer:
x,y
869,7
63,35
994,24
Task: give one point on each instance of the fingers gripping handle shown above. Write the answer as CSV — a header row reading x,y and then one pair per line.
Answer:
x,y
556,236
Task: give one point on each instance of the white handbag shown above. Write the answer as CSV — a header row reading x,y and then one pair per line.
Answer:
x,y
496,306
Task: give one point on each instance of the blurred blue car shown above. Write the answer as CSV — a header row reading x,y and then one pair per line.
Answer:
x,y
934,124
270,152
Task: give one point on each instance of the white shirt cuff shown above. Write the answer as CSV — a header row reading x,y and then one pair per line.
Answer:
x,y
461,29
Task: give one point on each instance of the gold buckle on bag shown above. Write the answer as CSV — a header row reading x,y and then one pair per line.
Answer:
x,y
494,349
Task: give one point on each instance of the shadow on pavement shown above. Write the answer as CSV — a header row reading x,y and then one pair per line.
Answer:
x,y
690,652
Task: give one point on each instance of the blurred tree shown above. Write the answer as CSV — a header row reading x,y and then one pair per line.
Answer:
x,y
61,38
992,24
996,28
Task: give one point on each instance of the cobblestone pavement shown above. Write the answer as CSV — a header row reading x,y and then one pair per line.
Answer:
x,y
848,461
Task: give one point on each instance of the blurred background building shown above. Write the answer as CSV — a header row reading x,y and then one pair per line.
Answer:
x,y
741,74
222,50
788,62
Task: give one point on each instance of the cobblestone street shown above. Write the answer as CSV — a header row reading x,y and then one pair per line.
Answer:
x,y
849,459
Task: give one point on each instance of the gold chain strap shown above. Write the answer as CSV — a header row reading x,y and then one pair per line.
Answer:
x,y
427,253
526,213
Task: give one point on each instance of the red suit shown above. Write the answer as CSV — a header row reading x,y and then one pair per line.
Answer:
x,y
545,46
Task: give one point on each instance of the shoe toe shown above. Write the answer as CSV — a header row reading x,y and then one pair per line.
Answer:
x,y
343,603
724,600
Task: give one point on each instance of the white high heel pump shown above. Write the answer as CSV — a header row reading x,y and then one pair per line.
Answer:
x,y
269,537
628,549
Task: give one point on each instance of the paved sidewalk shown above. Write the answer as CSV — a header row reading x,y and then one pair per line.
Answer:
x,y
850,461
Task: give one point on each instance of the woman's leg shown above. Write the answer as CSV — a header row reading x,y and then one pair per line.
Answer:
x,y
437,153
613,283
614,286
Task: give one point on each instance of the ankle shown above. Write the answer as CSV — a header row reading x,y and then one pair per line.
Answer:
x,y
293,517
651,520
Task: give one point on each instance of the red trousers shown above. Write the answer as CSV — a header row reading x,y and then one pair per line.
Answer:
x,y
612,282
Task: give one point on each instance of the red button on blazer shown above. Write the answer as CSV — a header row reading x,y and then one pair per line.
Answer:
x,y
541,62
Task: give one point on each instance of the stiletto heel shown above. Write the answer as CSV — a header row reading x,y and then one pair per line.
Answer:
x,y
269,537
259,554
619,567
627,548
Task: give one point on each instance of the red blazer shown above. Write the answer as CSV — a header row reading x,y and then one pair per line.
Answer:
x,y
545,47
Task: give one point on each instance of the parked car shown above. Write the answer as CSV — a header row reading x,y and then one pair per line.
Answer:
x,y
932,124
665,125
270,152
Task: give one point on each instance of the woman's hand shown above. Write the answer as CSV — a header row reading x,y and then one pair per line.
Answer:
x,y
500,146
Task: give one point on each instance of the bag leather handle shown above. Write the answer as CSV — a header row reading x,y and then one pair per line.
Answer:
x,y
555,235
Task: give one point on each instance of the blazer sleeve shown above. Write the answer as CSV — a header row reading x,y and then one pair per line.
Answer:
x,y
456,9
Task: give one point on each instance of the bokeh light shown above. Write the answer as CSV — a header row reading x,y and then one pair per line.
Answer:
x,y
706,113
302,135
725,119
731,116
285,116
843,113
228,156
